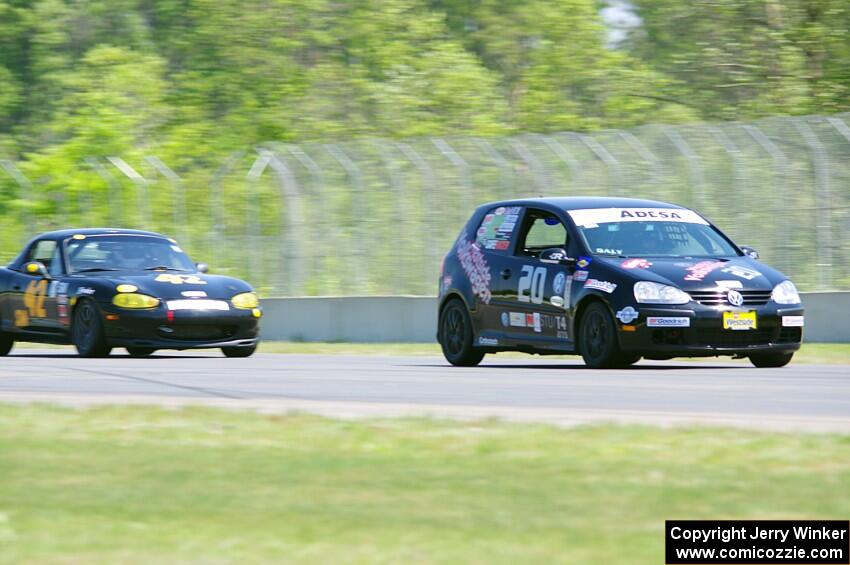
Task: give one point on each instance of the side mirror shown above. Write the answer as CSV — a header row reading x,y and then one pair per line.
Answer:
x,y
36,268
202,267
750,252
556,256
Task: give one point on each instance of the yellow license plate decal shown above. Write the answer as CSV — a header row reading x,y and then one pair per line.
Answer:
x,y
739,321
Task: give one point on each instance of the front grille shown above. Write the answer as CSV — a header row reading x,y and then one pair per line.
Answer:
x,y
790,335
718,297
735,338
197,333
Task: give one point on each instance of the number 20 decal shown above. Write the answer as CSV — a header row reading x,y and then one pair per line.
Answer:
x,y
533,279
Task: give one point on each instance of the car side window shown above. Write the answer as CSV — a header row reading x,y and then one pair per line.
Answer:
x,y
498,227
55,267
42,251
540,230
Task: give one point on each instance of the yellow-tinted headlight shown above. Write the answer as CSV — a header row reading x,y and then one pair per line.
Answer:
x,y
246,300
135,301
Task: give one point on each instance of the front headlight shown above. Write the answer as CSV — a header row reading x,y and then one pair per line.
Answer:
x,y
785,293
135,301
653,293
246,300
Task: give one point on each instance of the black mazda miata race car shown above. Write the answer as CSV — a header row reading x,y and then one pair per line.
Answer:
x,y
611,279
105,288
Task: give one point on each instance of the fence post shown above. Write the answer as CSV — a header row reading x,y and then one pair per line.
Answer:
x,y
844,130
25,191
141,186
501,162
359,244
467,199
644,152
326,231
780,163
397,186
292,217
694,165
113,189
564,155
178,200
427,175
541,175
217,241
824,204
252,221
615,176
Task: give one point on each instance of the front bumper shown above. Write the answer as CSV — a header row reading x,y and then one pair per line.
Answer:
x,y
181,329
705,335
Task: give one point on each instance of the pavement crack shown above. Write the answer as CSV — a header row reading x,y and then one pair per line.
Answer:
x,y
201,390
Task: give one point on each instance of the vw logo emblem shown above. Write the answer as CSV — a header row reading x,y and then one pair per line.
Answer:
x,y
735,298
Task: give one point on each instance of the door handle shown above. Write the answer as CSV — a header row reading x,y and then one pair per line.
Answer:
x,y
506,274
16,288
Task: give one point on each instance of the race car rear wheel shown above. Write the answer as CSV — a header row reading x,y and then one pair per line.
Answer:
x,y
771,360
598,339
628,360
140,351
6,344
87,331
238,351
456,336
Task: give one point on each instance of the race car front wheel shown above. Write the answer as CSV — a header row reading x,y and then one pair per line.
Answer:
x,y
597,338
456,336
87,331
238,351
6,344
771,360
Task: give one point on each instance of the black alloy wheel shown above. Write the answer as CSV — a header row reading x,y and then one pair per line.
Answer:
x,y
598,339
7,342
456,336
87,331
771,360
239,351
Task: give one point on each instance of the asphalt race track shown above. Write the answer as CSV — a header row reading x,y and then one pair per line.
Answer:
x,y
797,397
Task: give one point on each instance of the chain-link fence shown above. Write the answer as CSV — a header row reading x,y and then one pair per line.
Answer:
x,y
375,216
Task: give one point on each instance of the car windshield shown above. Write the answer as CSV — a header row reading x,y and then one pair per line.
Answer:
x,y
650,232
125,253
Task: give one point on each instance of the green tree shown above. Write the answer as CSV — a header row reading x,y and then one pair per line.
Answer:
x,y
734,59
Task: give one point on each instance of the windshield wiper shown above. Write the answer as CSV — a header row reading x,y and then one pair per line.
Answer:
x,y
163,268
95,269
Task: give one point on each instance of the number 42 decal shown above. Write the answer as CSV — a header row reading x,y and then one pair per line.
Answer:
x,y
532,284
34,298
34,302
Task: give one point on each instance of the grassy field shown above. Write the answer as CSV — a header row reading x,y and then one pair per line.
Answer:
x,y
145,485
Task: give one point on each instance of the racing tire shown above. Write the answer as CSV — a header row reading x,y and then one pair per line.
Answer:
x,y
87,333
771,360
238,351
628,360
456,336
7,342
140,351
597,336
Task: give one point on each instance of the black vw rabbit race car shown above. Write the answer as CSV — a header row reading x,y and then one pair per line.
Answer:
x,y
611,279
105,288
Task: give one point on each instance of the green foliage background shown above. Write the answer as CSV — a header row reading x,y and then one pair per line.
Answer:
x,y
193,82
